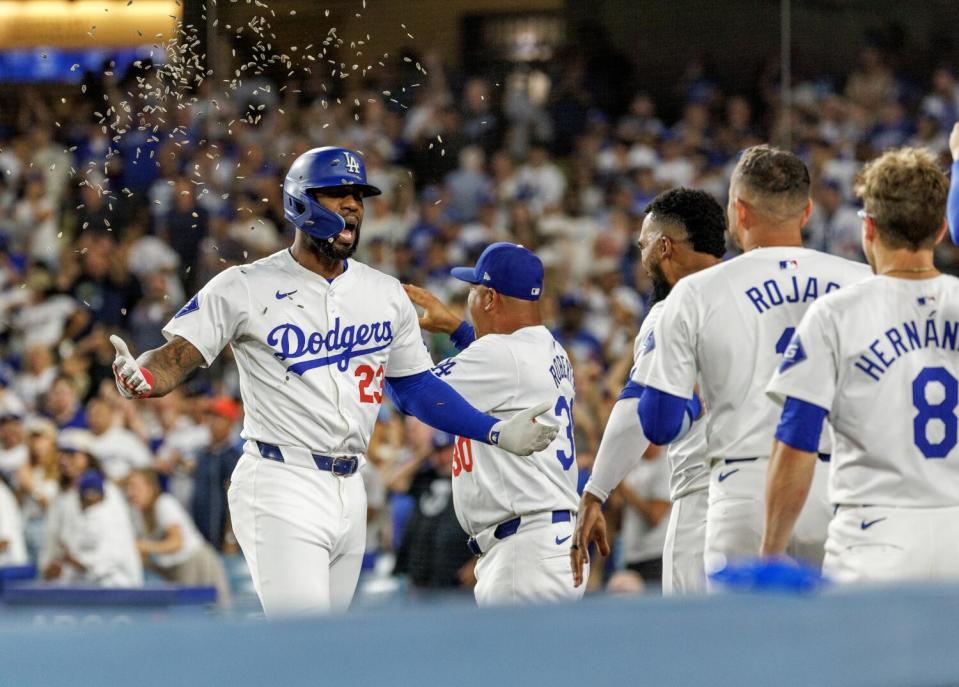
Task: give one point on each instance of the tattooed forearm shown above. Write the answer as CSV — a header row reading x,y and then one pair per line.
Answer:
x,y
170,364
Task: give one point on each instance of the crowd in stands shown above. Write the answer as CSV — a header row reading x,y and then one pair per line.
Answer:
x,y
109,222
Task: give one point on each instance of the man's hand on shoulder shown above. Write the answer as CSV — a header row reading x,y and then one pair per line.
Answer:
x,y
436,317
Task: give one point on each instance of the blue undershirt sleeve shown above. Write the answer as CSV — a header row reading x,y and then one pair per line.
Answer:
x,y
463,336
666,418
631,390
436,403
800,424
952,206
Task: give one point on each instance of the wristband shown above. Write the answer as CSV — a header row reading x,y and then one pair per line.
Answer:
x,y
148,376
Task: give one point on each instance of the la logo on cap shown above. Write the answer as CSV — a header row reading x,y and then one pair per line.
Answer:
x,y
486,276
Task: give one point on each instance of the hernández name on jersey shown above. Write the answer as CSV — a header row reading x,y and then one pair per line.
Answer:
x,y
340,344
903,339
794,289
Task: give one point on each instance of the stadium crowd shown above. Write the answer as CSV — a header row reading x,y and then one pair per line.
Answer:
x,y
109,222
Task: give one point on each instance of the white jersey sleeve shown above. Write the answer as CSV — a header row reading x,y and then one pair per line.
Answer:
x,y
485,374
214,316
671,346
623,442
808,369
408,354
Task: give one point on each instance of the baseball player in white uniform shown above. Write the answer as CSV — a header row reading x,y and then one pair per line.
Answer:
x,y
684,232
519,512
315,334
881,360
726,329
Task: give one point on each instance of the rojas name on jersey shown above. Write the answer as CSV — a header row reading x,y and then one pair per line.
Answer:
x,y
340,344
775,292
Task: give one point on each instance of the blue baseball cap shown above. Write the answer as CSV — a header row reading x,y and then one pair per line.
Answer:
x,y
91,480
507,268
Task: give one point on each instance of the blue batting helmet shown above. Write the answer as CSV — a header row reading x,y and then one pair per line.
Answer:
x,y
318,168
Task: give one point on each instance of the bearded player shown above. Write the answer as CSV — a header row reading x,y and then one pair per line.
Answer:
x,y
684,232
315,334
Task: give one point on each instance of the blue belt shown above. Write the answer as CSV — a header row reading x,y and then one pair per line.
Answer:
x,y
509,528
342,466
824,457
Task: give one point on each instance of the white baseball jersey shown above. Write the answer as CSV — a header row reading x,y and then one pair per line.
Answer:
x,y
727,327
312,353
502,374
883,358
686,457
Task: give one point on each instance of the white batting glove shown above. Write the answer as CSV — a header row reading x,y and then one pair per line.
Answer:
x,y
132,380
522,434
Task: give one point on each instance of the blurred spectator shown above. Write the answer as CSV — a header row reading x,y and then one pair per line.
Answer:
x,y
37,375
38,482
117,449
97,545
74,528
468,184
433,552
178,436
833,226
185,225
35,217
13,550
540,181
62,405
169,541
644,496
572,334
213,468
14,452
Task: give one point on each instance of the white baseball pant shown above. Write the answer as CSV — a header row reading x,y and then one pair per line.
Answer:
x,y
302,531
685,542
737,511
883,544
531,566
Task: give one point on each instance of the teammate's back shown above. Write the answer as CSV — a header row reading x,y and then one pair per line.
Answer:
x,y
896,390
879,359
742,314
499,372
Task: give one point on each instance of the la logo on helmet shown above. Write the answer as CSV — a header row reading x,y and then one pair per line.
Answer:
x,y
352,165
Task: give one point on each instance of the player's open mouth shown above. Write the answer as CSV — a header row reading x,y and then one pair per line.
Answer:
x,y
346,236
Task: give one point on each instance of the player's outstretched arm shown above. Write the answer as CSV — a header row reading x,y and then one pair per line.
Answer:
x,y
156,372
436,403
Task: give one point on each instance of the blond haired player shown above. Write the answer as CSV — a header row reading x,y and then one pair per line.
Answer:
x,y
881,360
727,327
315,335
519,512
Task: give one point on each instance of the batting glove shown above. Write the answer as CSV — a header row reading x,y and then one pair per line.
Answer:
x,y
522,434
132,380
